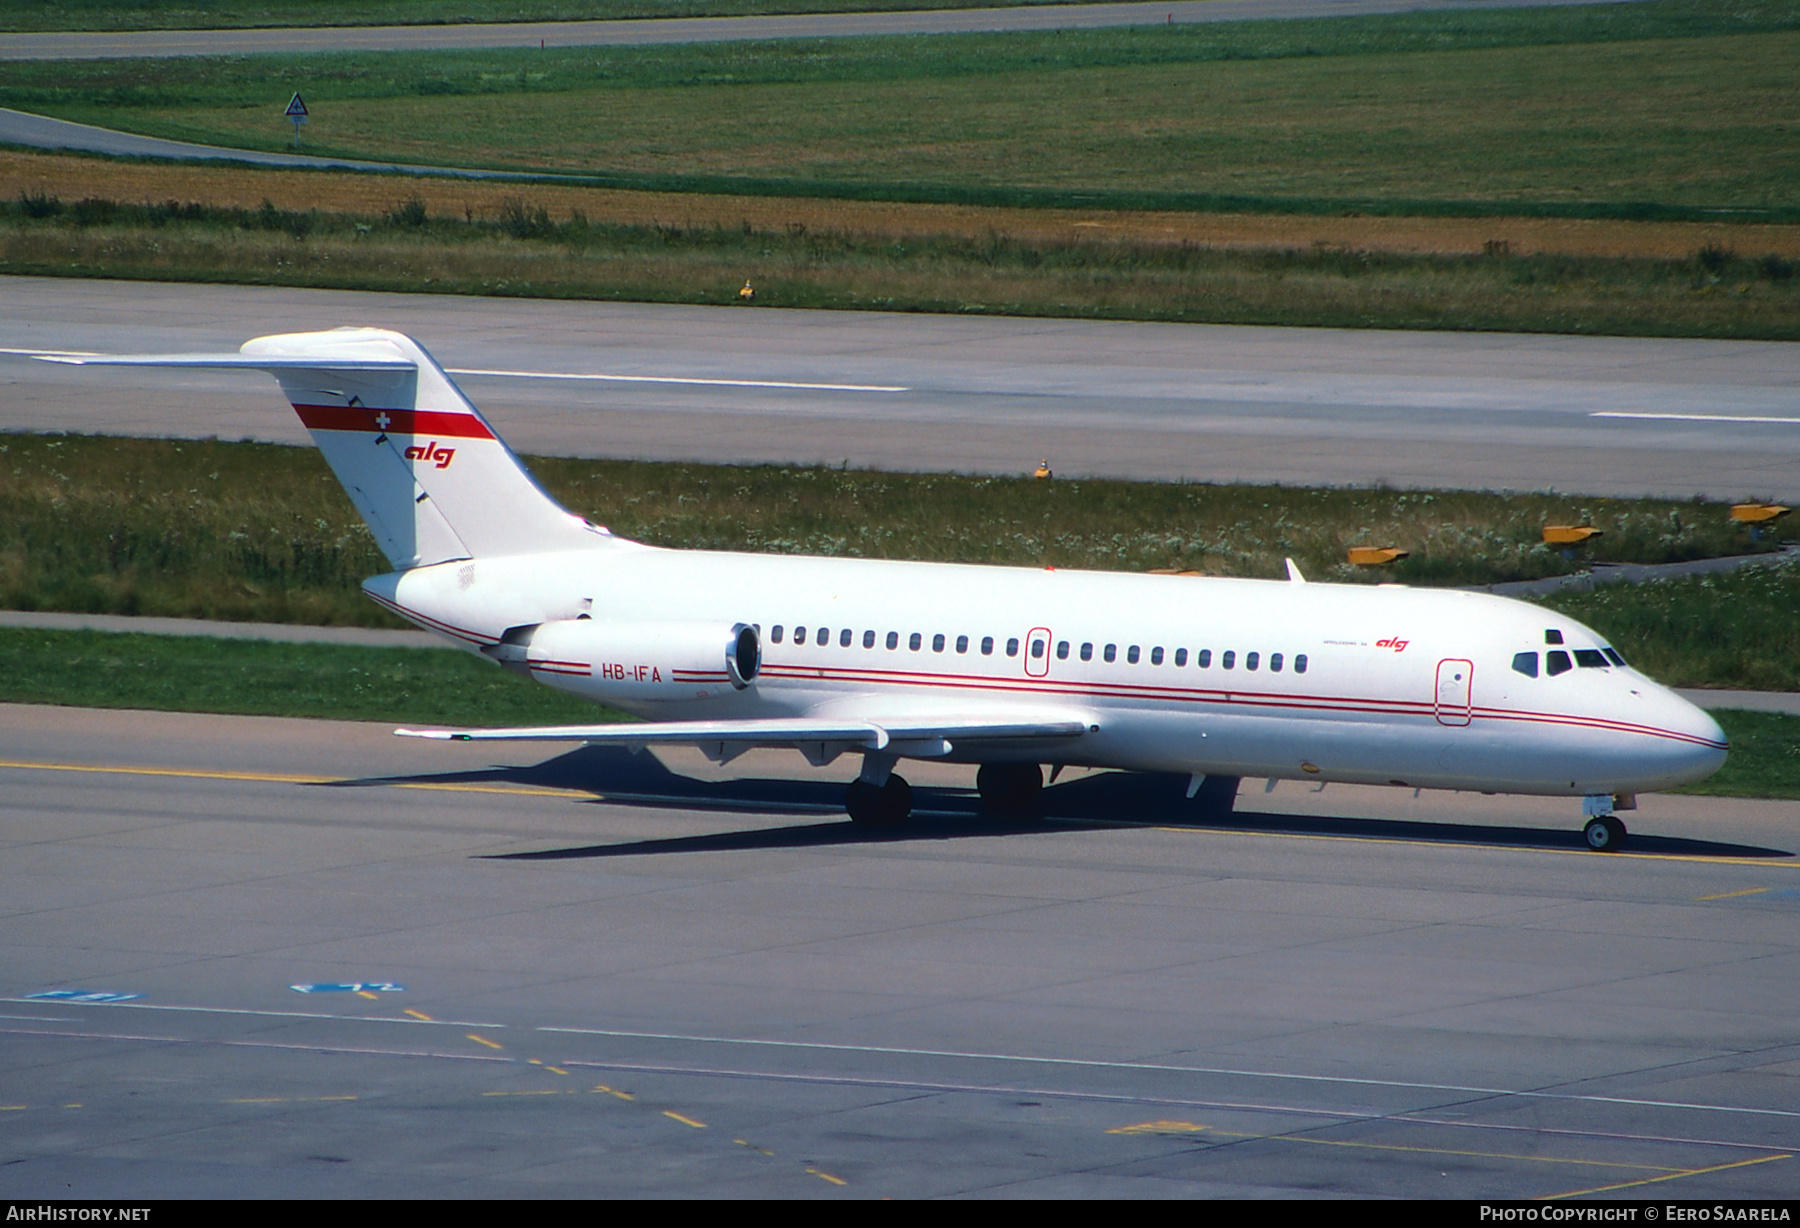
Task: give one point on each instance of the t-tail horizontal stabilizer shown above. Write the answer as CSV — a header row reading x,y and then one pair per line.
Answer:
x,y
425,470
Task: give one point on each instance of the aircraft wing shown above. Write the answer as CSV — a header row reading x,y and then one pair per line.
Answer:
x,y
913,734
249,362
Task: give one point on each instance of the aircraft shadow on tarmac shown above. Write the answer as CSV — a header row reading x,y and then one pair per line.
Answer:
x,y
1108,799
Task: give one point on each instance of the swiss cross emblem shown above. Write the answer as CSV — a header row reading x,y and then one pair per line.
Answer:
x,y
382,420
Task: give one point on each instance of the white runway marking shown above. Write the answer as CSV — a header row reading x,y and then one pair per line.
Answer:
x,y
678,379
231,1010
1171,1068
1612,413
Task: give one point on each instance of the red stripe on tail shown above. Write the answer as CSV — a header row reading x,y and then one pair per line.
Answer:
x,y
392,421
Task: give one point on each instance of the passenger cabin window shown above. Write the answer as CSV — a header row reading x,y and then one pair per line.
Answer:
x,y
1525,663
987,645
1300,664
1131,655
868,639
1087,652
844,637
775,634
799,635
1590,658
1037,649
937,642
1275,662
1250,659
1557,663
1062,650
1181,656
1228,659
893,640
1012,647
823,638
1204,658
1110,652
962,643
915,641
1156,656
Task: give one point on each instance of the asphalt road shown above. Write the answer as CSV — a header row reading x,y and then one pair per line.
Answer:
x,y
619,979
160,43
923,392
44,132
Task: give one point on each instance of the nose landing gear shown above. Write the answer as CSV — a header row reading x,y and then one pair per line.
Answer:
x,y
1603,831
1604,834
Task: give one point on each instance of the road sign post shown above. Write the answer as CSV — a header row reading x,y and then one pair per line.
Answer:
x,y
296,111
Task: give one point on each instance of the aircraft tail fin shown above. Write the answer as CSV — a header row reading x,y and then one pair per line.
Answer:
x,y
431,478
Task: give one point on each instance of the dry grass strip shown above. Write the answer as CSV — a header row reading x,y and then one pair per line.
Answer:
x,y
73,178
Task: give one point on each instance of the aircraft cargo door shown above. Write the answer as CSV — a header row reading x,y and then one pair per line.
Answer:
x,y
1455,704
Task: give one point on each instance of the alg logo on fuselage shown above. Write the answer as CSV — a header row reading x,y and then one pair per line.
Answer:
x,y
1398,645
432,451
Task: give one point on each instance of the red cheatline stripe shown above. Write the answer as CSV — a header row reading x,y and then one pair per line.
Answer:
x,y
434,624
1118,691
393,421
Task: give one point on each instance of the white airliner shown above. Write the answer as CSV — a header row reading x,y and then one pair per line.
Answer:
x,y
1008,668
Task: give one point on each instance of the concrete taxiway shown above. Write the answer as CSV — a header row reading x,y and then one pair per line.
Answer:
x,y
1600,415
597,974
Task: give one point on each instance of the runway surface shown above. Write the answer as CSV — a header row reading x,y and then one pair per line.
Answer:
x,y
1602,415
163,43
597,975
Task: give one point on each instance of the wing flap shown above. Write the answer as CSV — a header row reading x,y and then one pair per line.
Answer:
x,y
779,732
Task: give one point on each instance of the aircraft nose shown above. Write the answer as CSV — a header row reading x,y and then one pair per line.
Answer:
x,y
1700,746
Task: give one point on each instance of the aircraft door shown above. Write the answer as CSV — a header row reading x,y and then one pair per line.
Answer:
x,y
1037,652
1455,700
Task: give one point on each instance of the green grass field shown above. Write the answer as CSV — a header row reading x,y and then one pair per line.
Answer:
x,y
260,532
1764,759
1683,105
95,669
1700,631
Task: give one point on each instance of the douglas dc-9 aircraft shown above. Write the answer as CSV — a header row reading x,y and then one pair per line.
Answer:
x,y
1008,668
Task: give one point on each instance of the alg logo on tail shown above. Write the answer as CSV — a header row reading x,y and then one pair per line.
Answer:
x,y
432,451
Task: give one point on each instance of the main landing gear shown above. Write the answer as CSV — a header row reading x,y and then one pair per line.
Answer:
x,y
1009,788
1603,831
882,805
879,798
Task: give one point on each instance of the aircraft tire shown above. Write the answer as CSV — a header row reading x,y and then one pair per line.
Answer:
x,y
896,801
1009,788
1604,834
879,806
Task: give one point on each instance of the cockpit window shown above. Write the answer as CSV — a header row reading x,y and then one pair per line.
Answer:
x,y
1557,663
1526,663
1613,656
1552,636
1590,658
